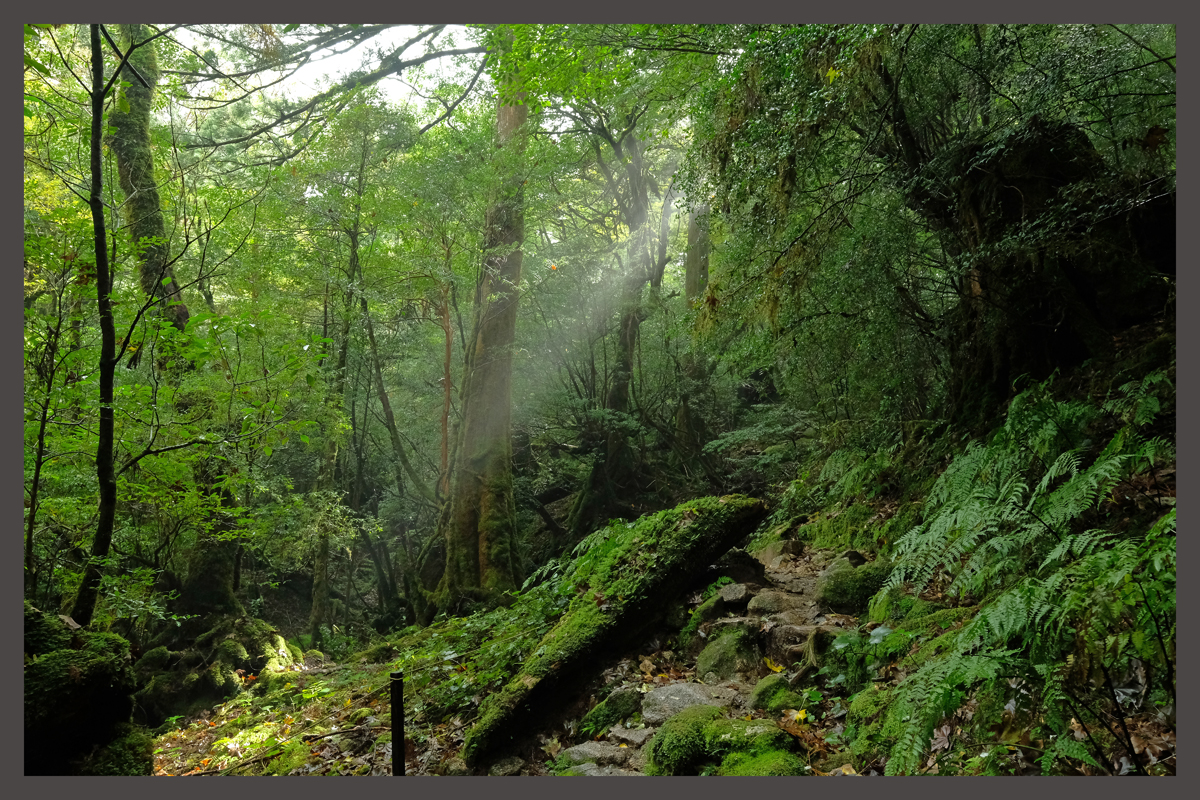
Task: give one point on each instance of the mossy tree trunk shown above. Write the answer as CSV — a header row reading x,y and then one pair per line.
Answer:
x,y
478,522
208,588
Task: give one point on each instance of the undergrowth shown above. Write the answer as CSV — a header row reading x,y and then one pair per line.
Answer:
x,y
1075,594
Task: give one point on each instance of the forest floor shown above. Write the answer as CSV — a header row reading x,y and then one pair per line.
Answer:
x,y
334,727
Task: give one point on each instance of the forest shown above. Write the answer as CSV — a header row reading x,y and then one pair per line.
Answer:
x,y
586,400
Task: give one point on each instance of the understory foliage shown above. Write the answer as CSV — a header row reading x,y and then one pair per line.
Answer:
x,y
1071,596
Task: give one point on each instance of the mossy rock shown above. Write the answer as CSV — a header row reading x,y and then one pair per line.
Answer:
x,y
679,745
770,763
131,753
848,591
614,708
152,661
710,609
773,694
701,735
734,651
639,569
44,633
75,696
206,672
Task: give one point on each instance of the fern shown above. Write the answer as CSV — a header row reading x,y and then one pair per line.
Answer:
x,y
1063,599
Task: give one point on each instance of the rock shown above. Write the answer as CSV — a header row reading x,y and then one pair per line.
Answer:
x,y
77,691
772,602
792,616
739,566
594,770
855,558
720,626
736,595
614,708
730,653
651,561
634,737
774,550
507,766
710,609
847,590
456,766
662,703
597,752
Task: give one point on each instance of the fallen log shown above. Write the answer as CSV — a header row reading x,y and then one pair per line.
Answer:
x,y
623,583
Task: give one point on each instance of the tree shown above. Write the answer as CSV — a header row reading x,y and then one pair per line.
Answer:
x,y
478,520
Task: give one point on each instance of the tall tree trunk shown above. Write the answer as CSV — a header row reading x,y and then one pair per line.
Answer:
x,y
89,589
479,521
208,588
696,265
130,141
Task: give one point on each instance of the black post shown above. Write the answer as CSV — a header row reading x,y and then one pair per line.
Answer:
x,y
398,723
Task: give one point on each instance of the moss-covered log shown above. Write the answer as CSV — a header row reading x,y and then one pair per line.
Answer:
x,y
634,573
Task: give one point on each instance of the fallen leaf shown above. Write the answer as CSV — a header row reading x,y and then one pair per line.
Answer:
x,y
773,666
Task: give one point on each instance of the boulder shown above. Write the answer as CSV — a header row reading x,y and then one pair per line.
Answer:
x,y
739,566
614,708
77,691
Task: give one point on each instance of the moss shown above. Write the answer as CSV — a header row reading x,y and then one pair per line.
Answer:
x,y
627,579
358,715
926,623
44,633
774,694
131,753
849,591
772,762
724,736
614,708
710,609
679,745
153,661
234,653
700,735
317,654
74,698
734,651
296,653
840,531
874,722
